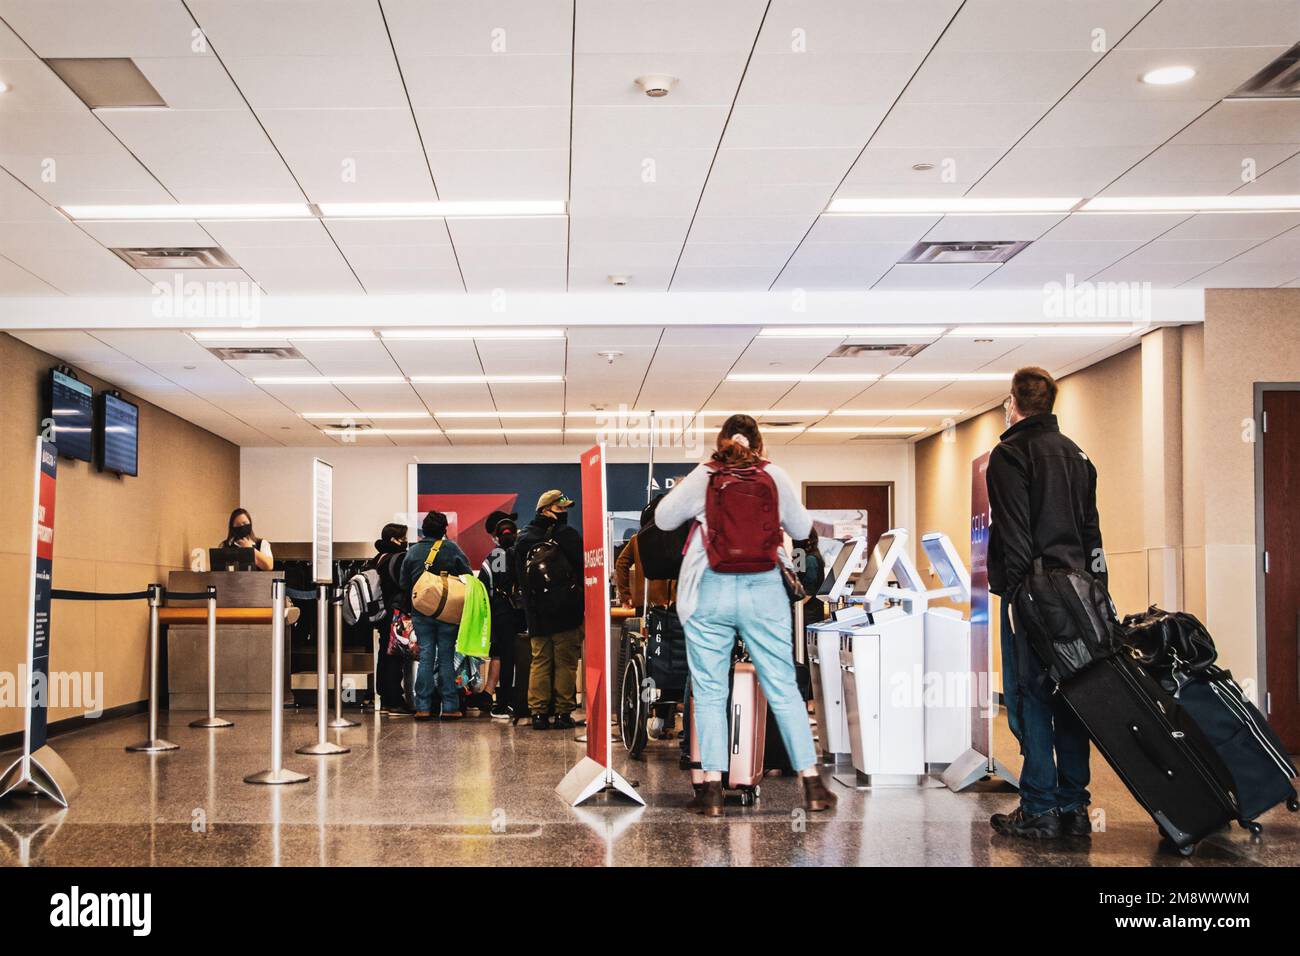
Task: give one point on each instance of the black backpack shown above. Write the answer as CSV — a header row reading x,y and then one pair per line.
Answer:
x,y
1067,617
553,583
660,552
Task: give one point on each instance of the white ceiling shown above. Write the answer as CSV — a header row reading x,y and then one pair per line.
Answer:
x,y
780,107
675,369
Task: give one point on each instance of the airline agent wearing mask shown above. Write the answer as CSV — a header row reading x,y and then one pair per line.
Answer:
x,y
240,535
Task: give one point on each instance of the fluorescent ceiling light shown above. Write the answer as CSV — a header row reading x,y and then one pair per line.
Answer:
x,y
439,210
382,431
493,414
503,431
1193,204
804,377
869,429
281,335
329,380
890,412
1168,75
484,379
853,332
341,416
280,210
472,333
982,331
949,377
952,205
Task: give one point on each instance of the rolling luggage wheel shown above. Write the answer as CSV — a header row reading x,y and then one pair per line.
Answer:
x,y
1253,826
1293,804
749,796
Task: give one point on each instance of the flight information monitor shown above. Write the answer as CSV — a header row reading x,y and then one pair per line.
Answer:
x,y
71,410
119,435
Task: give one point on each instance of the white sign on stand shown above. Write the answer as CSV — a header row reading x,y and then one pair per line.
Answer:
x,y
322,525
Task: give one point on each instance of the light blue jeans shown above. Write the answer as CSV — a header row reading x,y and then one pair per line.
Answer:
x,y
437,673
756,607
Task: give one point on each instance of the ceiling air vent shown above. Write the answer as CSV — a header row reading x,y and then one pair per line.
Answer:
x,y
949,252
107,82
1279,80
876,348
256,353
177,257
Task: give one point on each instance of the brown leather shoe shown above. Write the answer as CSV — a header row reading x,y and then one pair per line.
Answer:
x,y
422,715
708,799
815,795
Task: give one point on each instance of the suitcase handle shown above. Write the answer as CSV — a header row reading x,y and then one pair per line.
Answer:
x,y
1145,747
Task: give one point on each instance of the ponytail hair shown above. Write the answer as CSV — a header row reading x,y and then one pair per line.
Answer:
x,y
740,444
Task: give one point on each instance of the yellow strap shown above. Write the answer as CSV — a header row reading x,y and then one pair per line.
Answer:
x,y
433,553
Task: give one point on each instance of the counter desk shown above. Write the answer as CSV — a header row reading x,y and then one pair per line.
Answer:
x,y
243,640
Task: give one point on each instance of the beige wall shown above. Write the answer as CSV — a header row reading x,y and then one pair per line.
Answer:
x,y
110,534
1251,335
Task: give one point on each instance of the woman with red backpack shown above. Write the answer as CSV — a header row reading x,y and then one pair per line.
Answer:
x,y
731,583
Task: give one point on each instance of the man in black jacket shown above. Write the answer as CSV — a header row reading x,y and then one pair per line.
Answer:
x,y
1043,504
554,611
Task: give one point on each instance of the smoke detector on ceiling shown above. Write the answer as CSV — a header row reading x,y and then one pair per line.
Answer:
x,y
619,281
609,355
656,85
943,253
176,257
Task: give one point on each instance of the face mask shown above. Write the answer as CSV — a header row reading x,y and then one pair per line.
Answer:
x,y
506,539
240,531
562,518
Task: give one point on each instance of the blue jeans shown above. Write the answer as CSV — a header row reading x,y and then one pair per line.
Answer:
x,y
756,606
1052,740
437,663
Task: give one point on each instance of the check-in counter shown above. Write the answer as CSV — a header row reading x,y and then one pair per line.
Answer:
x,y
243,640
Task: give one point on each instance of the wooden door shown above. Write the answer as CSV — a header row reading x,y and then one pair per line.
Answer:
x,y
1280,458
875,500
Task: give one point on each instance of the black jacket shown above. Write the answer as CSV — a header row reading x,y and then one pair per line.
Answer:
x,y
570,542
1043,499
389,566
499,576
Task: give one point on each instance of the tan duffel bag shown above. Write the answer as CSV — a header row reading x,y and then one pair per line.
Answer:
x,y
441,595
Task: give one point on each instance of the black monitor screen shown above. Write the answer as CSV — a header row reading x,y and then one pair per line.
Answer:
x,y
120,435
72,413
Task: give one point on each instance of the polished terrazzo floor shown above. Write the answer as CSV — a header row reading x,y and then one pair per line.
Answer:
x,y
481,793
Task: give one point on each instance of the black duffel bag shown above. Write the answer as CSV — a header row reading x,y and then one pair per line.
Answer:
x,y
1160,639
1067,617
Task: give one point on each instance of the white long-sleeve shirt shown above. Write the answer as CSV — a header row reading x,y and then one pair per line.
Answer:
x,y
686,502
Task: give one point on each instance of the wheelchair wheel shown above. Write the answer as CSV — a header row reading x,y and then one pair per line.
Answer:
x,y
633,711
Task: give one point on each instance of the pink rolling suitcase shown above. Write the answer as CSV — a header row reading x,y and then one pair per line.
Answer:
x,y
746,735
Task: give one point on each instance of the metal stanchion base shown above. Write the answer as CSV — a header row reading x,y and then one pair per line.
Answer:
x,y
154,746
283,775
322,748
340,722
212,722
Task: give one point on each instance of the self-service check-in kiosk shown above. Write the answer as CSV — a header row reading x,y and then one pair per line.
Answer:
x,y
949,676
823,654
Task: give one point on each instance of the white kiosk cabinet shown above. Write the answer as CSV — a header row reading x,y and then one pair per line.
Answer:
x,y
823,643
949,674
882,660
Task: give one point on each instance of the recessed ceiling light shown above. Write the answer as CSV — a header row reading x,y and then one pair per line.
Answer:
x,y
341,416
1236,202
804,377
869,429
485,379
178,211
851,332
1168,75
382,431
503,431
442,209
4,87
498,414
949,376
951,206
448,334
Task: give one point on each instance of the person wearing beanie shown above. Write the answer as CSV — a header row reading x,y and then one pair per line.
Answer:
x,y
555,614
390,669
506,676
437,672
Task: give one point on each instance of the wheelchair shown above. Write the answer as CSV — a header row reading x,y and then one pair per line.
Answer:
x,y
654,674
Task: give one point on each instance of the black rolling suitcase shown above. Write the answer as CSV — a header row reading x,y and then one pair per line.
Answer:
x,y
1156,748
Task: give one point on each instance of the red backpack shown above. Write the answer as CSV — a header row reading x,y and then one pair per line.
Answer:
x,y
743,519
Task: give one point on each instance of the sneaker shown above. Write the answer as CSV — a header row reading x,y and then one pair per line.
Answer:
x,y
541,722
500,711
1076,823
564,722
1046,826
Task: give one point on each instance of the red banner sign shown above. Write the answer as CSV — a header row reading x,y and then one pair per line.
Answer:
x,y
595,583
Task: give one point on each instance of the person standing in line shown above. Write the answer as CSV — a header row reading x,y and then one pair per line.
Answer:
x,y
549,565
437,671
390,669
498,575
716,605
1043,506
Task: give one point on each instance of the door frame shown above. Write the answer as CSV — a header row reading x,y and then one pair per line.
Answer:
x,y
1261,633
804,486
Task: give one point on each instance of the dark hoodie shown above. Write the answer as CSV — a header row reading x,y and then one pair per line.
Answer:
x,y
570,542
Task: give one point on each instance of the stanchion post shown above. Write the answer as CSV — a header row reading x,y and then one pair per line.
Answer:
x,y
212,720
278,772
323,747
336,604
154,744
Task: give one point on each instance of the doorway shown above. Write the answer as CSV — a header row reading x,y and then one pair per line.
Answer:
x,y
876,498
1277,486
